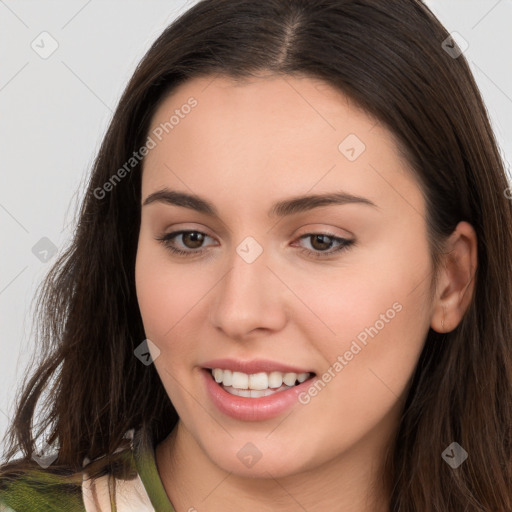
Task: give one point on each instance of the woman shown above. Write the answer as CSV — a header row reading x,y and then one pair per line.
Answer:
x,y
290,285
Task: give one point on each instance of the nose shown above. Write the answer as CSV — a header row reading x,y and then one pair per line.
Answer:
x,y
249,299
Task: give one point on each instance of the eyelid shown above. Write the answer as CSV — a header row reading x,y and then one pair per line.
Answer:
x,y
186,227
321,229
168,237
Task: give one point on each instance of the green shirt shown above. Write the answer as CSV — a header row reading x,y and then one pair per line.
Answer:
x,y
145,493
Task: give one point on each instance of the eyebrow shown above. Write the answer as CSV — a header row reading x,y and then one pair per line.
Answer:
x,y
283,208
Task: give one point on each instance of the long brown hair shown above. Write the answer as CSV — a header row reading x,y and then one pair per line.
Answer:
x,y
388,57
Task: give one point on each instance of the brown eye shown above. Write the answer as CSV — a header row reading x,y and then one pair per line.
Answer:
x,y
192,239
321,243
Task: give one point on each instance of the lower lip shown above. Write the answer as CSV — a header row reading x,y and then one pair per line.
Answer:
x,y
253,409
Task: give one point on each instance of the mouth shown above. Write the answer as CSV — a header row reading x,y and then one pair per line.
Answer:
x,y
257,385
256,390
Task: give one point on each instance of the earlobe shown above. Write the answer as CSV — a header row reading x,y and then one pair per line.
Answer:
x,y
456,281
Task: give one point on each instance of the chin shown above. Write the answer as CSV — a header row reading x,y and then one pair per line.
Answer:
x,y
253,460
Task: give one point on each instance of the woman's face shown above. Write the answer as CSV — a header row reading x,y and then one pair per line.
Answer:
x,y
273,283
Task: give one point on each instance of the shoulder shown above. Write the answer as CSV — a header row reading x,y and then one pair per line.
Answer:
x,y
130,495
44,491
100,483
122,486
39,491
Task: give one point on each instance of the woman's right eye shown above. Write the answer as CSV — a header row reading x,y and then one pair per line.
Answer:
x,y
189,237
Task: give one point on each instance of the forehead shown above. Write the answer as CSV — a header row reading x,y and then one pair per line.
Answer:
x,y
267,134
276,102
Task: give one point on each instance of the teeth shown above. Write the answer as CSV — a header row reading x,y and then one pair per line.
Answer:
x,y
257,381
240,380
227,377
275,380
218,375
302,377
254,393
290,378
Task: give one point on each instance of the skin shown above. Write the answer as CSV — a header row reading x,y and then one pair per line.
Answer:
x,y
243,147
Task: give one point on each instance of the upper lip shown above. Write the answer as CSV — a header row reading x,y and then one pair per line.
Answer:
x,y
253,366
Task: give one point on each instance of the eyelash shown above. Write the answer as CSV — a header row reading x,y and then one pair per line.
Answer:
x,y
344,244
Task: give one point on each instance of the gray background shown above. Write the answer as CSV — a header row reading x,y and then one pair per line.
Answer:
x,y
54,113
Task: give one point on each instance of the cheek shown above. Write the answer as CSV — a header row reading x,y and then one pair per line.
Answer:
x,y
166,297
377,312
387,294
166,292
150,282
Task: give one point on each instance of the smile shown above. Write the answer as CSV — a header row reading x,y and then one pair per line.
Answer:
x,y
280,391
257,385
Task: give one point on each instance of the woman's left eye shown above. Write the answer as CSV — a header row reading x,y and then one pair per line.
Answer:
x,y
323,239
196,239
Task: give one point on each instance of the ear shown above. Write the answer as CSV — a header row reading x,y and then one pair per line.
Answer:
x,y
456,278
